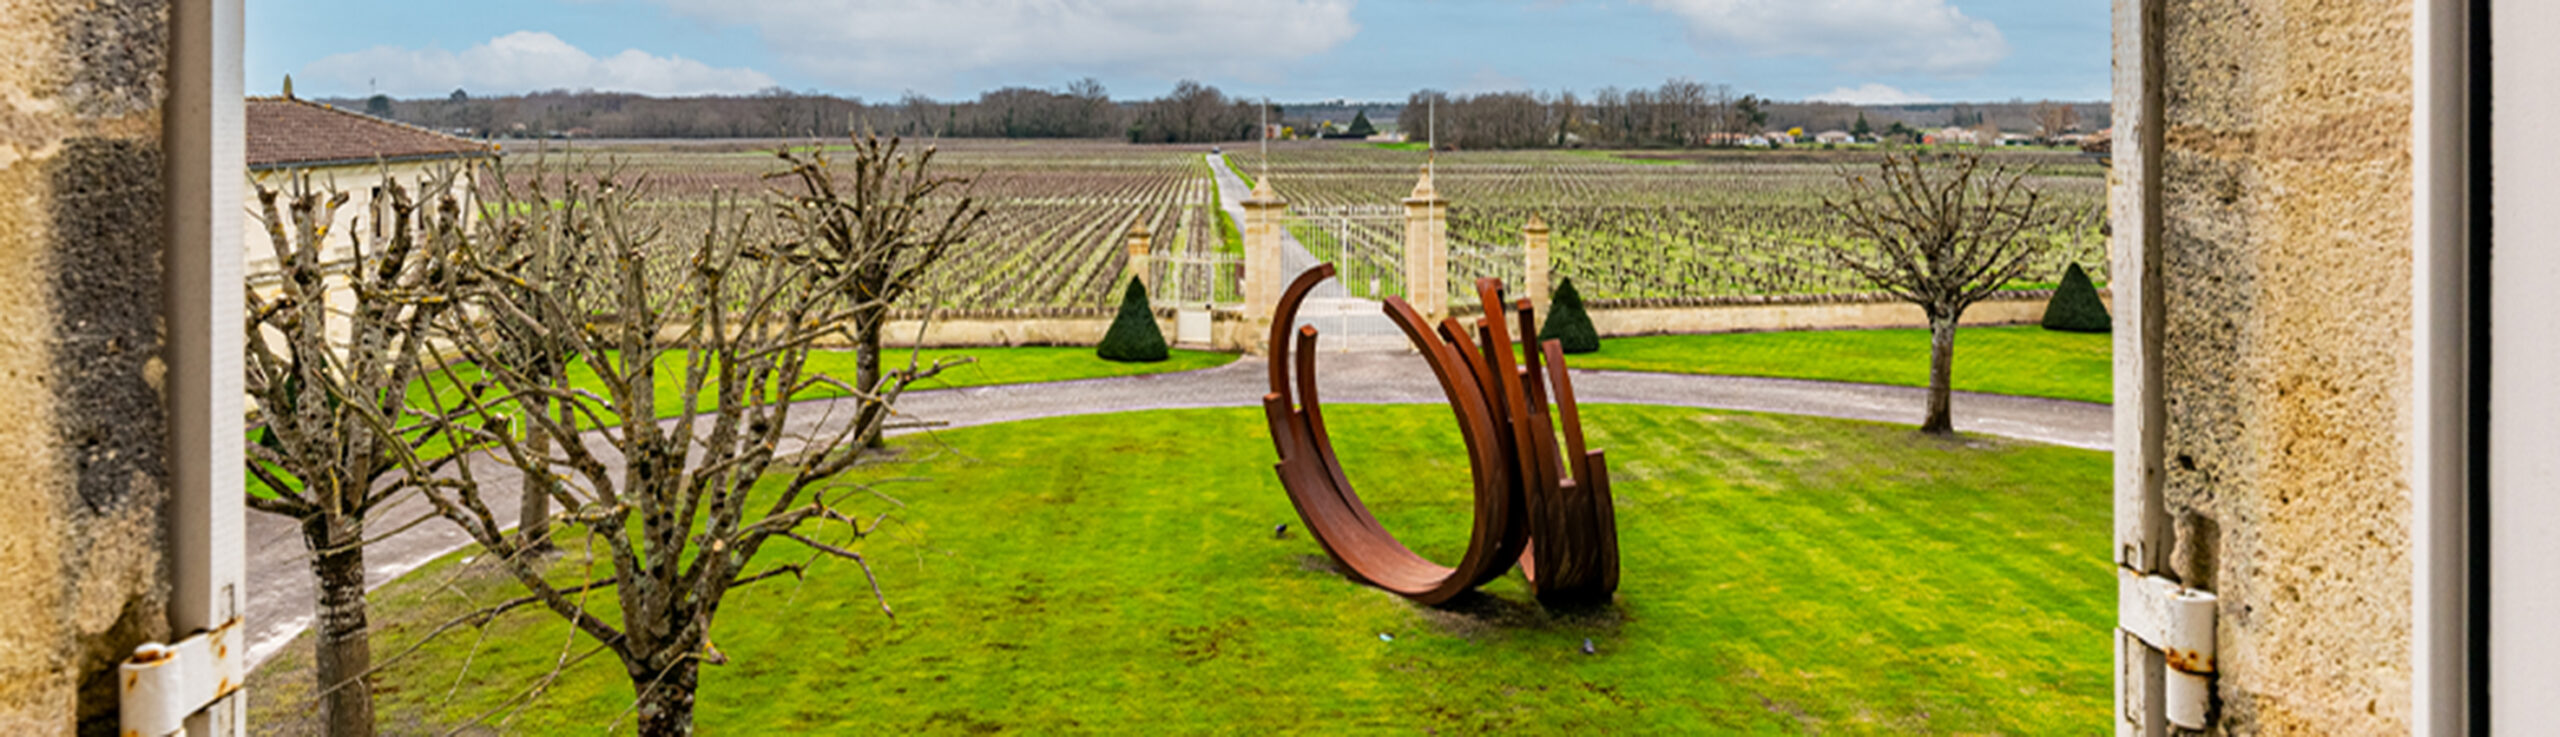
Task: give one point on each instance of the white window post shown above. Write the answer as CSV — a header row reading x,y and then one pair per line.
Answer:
x,y
194,685
2521,475
2165,632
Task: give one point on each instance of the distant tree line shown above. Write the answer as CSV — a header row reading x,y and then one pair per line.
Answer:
x,y
1190,113
1686,113
1678,113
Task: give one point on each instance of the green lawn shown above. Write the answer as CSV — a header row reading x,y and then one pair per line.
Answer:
x,y
1230,238
2022,360
1119,573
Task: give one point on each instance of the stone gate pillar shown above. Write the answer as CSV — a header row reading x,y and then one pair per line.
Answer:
x,y
1141,261
1533,274
1262,277
1426,250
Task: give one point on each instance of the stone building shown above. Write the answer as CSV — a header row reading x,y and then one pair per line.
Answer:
x,y
345,151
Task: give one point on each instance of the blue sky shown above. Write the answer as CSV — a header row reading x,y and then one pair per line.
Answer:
x,y
1854,50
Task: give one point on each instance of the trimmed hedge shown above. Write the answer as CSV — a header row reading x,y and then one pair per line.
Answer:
x,y
1134,337
1567,323
2075,306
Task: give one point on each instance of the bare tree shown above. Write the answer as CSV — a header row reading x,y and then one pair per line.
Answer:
x,y
883,230
541,246
2054,119
1942,236
682,508
327,384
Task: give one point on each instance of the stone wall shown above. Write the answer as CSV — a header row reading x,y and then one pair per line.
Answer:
x,y
2285,273
1613,321
1232,332
82,470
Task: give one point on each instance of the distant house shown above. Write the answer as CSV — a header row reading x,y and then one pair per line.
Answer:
x,y
1954,135
1834,137
343,150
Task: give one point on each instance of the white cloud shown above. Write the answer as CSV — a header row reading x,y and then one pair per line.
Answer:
x,y
936,44
1929,37
523,61
1869,94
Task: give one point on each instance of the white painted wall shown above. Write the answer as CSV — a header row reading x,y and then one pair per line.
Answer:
x,y
361,215
2524,382
258,251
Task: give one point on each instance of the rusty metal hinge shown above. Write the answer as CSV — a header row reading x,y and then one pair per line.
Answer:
x,y
164,684
2177,621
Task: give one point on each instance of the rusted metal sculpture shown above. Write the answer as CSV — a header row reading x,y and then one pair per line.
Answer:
x,y
1548,508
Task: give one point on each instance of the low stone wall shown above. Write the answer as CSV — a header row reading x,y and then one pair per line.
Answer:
x,y
1232,332
1008,328
1862,311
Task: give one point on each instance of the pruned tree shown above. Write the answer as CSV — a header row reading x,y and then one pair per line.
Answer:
x,y
329,424
881,231
1942,235
727,318
2054,119
541,245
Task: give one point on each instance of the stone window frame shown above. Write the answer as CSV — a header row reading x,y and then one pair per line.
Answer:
x,y
2462,457
202,139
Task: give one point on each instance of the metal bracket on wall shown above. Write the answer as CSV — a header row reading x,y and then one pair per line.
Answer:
x,y
164,684
2177,621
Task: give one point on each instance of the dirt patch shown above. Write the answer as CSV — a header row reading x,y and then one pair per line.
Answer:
x,y
1476,614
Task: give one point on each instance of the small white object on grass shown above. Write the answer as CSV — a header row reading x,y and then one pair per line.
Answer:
x,y
1384,637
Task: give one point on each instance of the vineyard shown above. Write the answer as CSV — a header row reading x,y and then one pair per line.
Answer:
x,y
1058,212
1728,226
1742,224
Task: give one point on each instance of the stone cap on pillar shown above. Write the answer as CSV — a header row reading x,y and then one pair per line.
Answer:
x,y
1535,225
1264,196
1140,238
1423,192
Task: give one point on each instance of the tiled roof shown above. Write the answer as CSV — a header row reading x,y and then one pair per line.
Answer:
x,y
288,132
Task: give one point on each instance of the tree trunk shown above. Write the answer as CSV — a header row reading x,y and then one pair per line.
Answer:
x,y
344,650
533,512
867,325
1942,362
666,699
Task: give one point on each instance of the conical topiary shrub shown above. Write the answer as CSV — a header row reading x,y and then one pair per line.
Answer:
x,y
1133,336
1567,323
2075,306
